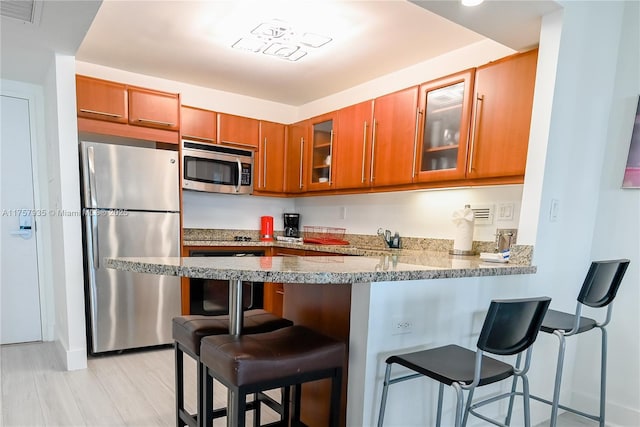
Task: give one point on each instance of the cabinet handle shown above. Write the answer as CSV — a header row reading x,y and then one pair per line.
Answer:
x,y
331,157
373,149
156,122
94,247
252,147
415,143
364,148
280,292
101,113
479,98
198,137
264,167
301,156
239,175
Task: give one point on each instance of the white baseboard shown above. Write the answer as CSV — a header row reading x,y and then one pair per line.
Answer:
x,y
616,415
72,359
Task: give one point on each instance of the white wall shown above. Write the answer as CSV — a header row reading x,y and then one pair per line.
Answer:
x,y
64,195
617,235
583,156
229,211
412,213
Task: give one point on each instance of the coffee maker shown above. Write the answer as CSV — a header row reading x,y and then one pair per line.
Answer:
x,y
291,225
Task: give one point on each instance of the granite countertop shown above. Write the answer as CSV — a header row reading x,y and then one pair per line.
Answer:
x,y
322,269
360,245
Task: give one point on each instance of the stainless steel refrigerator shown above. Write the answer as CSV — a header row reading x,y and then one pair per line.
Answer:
x,y
130,209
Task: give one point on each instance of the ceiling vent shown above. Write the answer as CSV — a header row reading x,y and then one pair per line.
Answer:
x,y
24,11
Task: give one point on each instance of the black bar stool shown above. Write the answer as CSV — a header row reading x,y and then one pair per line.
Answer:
x,y
188,331
287,357
510,327
598,291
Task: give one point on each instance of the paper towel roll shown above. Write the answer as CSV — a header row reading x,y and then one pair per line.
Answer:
x,y
463,239
464,221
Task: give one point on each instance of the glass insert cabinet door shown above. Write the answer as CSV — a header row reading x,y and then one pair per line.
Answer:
x,y
321,151
446,106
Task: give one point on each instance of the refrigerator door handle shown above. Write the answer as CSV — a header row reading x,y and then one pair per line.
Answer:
x,y
93,200
93,244
239,175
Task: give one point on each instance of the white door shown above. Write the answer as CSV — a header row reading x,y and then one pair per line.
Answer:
x,y
19,290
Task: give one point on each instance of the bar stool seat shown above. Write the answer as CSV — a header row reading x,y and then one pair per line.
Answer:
x,y
282,358
188,332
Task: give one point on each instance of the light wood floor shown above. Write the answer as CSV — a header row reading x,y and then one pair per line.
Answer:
x,y
130,389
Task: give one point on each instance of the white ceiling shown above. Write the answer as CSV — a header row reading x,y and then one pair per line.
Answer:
x,y
189,40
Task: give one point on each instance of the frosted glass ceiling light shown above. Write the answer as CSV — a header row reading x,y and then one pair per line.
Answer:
x,y
251,45
471,3
314,40
277,38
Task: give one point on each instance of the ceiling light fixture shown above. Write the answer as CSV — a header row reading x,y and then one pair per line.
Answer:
x,y
277,38
471,3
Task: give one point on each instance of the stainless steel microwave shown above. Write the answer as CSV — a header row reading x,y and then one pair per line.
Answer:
x,y
216,168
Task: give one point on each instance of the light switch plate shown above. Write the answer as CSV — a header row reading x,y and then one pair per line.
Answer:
x,y
505,211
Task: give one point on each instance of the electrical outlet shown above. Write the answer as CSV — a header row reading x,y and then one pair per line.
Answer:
x,y
401,325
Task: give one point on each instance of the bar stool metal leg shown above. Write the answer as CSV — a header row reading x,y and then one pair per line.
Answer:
x,y
459,403
440,397
514,384
334,408
603,376
385,391
527,406
467,406
179,383
556,387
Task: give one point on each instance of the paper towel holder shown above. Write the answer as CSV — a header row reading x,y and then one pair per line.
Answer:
x,y
461,252
464,252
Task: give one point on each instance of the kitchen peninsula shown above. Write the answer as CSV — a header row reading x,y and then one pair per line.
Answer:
x,y
337,294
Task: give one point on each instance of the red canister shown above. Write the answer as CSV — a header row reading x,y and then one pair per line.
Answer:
x,y
266,228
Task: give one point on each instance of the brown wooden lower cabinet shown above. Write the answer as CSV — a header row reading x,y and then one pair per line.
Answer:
x,y
274,292
326,309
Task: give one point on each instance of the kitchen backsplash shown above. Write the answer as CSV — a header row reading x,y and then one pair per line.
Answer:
x,y
411,213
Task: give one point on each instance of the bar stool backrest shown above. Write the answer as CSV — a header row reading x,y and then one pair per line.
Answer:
x,y
602,282
511,326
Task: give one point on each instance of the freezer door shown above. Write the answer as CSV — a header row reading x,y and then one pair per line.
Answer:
x,y
124,177
130,310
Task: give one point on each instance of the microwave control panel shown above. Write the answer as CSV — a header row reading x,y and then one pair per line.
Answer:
x,y
245,175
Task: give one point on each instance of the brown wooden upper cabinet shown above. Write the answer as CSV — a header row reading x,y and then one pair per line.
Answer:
x,y
320,152
502,116
101,99
295,171
270,171
152,108
393,145
238,130
444,118
353,146
198,124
